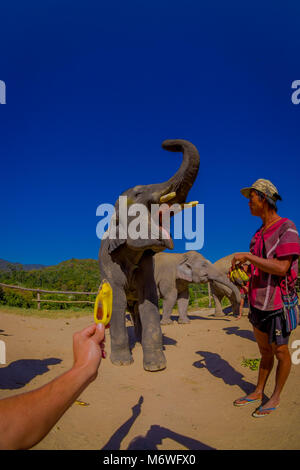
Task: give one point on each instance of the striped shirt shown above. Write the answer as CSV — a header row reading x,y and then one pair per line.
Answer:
x,y
279,240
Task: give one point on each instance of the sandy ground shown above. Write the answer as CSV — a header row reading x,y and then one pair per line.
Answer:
x,y
186,406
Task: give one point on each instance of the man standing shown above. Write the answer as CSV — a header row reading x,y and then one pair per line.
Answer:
x,y
274,252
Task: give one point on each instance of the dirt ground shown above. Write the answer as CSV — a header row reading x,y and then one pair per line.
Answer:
x,y
186,406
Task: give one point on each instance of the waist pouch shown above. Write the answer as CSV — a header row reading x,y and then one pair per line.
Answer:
x,y
291,311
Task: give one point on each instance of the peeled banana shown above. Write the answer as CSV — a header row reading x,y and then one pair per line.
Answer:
x,y
103,303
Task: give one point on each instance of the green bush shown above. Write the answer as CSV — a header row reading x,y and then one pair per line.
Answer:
x,y
15,298
72,275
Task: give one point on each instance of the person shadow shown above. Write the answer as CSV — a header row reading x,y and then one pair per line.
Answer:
x,y
221,369
20,373
155,436
235,330
152,439
114,442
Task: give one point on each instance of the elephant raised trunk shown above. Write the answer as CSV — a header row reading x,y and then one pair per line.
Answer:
x,y
183,180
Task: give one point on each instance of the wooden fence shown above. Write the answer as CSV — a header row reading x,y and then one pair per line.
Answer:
x,y
42,291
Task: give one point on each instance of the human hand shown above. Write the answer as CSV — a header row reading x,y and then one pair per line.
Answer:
x,y
239,258
89,349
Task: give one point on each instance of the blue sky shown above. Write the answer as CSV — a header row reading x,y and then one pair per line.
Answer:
x,y
93,88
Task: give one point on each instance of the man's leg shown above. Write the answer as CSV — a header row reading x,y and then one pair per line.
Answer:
x,y
282,372
265,366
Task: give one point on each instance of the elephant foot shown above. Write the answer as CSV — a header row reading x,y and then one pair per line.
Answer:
x,y
166,321
154,361
184,320
121,358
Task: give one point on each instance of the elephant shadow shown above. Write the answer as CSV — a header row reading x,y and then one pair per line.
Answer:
x,y
235,330
227,310
152,439
210,318
167,341
19,373
221,369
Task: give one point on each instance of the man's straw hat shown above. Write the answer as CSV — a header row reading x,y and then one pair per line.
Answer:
x,y
265,187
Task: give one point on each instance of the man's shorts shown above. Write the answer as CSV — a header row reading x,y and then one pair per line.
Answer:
x,y
272,323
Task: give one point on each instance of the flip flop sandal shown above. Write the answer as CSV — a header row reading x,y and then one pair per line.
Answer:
x,y
257,414
247,401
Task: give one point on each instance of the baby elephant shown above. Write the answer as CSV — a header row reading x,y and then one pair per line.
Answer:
x,y
219,291
173,272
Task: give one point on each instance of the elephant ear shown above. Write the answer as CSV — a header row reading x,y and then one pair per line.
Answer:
x,y
184,271
113,234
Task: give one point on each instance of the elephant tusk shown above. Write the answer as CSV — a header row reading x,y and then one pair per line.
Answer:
x,y
167,197
186,205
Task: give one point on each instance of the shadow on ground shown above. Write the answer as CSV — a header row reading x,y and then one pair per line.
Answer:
x,y
4,334
20,373
210,317
235,330
152,439
221,369
167,341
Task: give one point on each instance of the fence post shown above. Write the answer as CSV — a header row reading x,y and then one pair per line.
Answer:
x,y
209,296
38,300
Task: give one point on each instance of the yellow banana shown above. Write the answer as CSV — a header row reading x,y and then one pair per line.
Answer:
x,y
81,403
103,303
243,275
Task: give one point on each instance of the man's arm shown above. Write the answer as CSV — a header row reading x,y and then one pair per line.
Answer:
x,y
26,418
279,267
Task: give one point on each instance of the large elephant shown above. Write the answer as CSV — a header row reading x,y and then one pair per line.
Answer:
x,y
127,263
174,272
219,291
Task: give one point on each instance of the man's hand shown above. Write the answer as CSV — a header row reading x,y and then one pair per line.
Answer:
x,y
239,258
28,417
278,267
89,349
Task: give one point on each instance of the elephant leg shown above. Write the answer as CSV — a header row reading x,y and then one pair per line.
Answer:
x,y
168,305
152,341
120,351
235,305
217,300
183,303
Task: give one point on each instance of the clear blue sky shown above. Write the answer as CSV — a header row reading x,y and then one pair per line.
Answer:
x,y
94,87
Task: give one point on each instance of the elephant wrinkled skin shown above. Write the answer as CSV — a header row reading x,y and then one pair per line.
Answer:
x,y
128,263
174,272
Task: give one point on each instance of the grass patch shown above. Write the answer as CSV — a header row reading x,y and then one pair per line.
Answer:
x,y
253,364
34,312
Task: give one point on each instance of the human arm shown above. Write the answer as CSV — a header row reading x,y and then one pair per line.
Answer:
x,y
25,419
278,267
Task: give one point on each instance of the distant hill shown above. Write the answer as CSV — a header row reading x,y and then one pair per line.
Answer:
x,y
71,275
8,266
